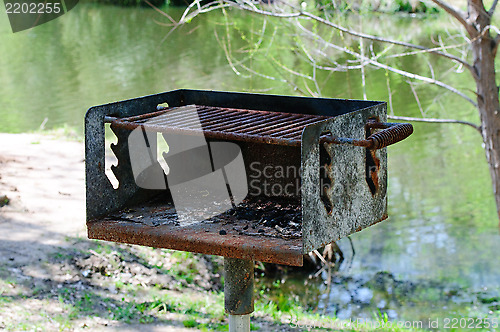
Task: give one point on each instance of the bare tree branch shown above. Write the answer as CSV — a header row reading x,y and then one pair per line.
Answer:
x,y
248,6
495,47
458,15
385,40
186,17
493,7
389,68
428,50
423,79
432,120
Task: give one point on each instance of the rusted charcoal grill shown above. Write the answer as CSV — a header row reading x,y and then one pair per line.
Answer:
x,y
245,176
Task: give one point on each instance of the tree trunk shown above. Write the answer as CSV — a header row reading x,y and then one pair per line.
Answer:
x,y
484,51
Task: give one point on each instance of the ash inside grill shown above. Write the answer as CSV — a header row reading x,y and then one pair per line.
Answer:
x,y
277,217
255,216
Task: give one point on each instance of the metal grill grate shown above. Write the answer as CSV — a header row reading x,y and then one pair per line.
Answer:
x,y
226,123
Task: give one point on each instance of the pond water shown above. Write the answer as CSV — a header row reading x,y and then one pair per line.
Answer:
x,y
437,255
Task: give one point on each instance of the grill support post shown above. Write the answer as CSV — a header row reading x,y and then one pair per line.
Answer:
x,y
238,292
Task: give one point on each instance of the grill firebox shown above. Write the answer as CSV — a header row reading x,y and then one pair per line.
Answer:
x,y
315,172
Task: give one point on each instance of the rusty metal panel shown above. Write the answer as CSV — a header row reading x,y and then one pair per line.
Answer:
x,y
204,238
351,205
101,197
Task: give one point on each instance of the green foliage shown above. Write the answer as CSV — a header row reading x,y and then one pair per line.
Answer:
x,y
191,322
415,7
5,299
4,200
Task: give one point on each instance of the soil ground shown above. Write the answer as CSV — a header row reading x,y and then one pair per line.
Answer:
x,y
53,278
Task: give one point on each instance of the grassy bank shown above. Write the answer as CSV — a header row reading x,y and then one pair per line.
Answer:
x,y
91,284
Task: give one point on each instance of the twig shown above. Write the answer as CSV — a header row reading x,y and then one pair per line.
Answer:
x,y
161,12
321,258
433,120
328,287
228,56
293,72
353,252
493,7
319,272
416,98
389,91
311,92
427,51
363,76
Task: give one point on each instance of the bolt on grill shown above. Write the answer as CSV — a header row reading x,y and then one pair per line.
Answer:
x,y
312,170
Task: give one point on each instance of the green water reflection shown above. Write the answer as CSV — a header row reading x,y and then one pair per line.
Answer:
x,y
442,227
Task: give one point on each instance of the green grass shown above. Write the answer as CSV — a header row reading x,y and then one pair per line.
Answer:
x,y
193,308
191,322
4,200
5,299
200,310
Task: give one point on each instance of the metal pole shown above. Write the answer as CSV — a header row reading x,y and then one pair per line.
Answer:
x,y
239,323
238,293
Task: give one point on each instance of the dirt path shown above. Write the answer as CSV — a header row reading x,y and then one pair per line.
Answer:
x,y
53,278
44,181
43,178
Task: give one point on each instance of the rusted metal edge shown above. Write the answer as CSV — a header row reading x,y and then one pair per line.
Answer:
x,y
200,238
210,134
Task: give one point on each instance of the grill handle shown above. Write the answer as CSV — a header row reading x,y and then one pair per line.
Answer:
x,y
391,133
